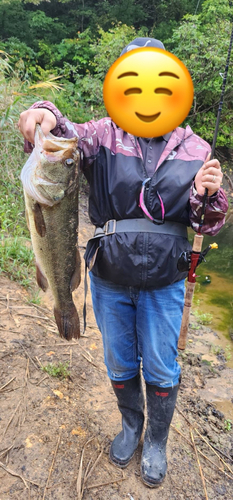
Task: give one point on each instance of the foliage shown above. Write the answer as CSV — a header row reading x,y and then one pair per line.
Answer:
x,y
17,259
59,370
54,20
193,42
83,99
228,424
203,318
107,48
16,256
74,52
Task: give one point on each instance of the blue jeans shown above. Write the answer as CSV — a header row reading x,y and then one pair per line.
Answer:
x,y
139,326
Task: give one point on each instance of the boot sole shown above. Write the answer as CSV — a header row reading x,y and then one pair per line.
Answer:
x,y
149,483
120,464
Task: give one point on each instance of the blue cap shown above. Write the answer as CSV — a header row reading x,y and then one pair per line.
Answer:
x,y
140,42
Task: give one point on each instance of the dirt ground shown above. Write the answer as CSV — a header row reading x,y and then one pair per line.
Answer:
x,y
55,433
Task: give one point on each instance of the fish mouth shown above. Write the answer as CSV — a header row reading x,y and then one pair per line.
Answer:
x,y
147,118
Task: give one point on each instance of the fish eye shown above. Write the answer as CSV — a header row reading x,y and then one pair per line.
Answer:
x,y
163,91
69,162
133,91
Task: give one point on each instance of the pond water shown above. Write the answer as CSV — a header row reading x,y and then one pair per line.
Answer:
x,y
214,287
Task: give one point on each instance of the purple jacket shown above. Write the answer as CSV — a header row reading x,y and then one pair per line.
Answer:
x,y
112,162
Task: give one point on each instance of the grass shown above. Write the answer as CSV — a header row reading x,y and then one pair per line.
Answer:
x,y
203,318
228,425
18,263
16,256
34,298
59,370
228,352
17,259
217,350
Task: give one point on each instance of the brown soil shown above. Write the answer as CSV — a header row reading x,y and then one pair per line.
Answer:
x,y
55,433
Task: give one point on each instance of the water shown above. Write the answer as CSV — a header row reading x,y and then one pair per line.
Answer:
x,y
214,286
214,296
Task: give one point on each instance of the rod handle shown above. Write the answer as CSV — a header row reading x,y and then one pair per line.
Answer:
x,y
197,243
186,315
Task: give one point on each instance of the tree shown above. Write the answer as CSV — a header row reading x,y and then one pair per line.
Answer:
x,y
202,42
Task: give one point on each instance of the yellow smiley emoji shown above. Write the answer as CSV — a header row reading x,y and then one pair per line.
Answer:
x,y
148,92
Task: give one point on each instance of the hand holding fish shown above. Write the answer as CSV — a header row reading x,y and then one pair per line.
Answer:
x,y
28,120
209,176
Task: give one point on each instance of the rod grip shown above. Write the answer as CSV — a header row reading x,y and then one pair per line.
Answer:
x,y
186,314
197,243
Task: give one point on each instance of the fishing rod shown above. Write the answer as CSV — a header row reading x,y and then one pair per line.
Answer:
x,y
191,261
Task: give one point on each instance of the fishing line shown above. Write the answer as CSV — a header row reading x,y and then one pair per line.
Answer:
x,y
197,7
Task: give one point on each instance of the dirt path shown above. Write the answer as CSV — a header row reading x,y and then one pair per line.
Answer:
x,y
55,433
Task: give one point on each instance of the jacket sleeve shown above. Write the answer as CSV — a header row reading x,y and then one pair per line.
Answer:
x,y
89,134
215,211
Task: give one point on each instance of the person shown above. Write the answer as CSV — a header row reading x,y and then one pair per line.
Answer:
x,y
137,290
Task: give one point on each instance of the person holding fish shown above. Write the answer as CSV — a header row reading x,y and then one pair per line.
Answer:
x,y
145,189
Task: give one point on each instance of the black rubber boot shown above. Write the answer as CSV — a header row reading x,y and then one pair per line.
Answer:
x,y
131,404
160,408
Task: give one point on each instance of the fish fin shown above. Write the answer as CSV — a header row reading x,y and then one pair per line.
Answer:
x,y
67,322
76,278
41,279
39,220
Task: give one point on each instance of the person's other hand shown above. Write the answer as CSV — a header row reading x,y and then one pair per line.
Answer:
x,y
209,176
28,120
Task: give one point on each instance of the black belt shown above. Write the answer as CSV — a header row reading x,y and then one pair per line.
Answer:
x,y
140,226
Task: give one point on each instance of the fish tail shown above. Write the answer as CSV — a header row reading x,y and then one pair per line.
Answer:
x,y
68,322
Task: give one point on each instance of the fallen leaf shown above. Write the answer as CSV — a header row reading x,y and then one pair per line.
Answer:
x,y
93,346
28,443
50,353
78,432
58,393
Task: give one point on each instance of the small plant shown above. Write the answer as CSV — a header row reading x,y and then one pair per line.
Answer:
x,y
227,424
59,370
194,326
34,298
203,318
228,352
206,362
216,349
17,260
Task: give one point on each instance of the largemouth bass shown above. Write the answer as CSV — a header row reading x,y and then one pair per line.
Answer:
x,y
50,180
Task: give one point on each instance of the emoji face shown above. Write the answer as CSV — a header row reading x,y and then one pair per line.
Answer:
x,y
148,92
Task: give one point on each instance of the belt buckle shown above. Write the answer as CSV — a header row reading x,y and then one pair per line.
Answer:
x,y
108,229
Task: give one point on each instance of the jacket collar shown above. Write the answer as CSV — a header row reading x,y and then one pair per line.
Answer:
x,y
173,140
177,136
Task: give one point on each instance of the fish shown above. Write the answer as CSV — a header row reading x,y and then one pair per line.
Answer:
x,y
50,179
